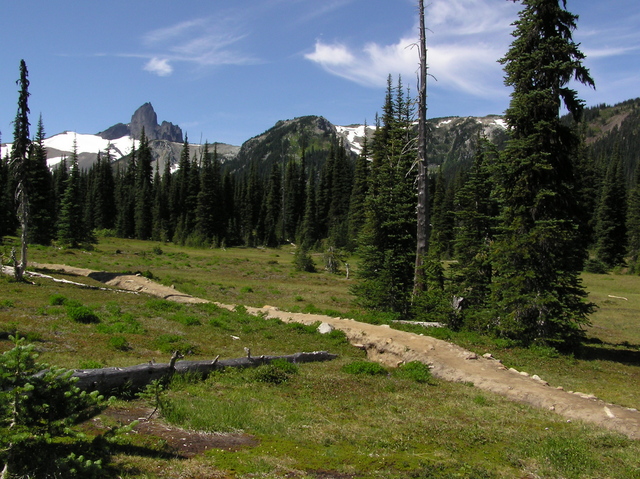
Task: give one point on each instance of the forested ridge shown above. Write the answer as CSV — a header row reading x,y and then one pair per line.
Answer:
x,y
297,183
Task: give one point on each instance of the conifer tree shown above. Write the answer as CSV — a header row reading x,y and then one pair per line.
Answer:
x,y
476,210
309,234
341,186
442,218
7,216
126,196
71,228
20,165
273,207
536,290
143,190
359,193
41,204
208,209
611,217
387,243
60,175
633,224
293,203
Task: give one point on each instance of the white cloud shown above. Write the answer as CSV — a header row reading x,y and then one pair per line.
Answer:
x,y
201,42
159,66
465,41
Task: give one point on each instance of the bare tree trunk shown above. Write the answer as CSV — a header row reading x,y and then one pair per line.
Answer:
x,y
422,245
136,378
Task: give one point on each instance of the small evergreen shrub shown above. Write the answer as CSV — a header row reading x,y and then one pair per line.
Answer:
x,y
364,368
57,300
277,372
302,261
414,371
119,343
595,266
82,314
37,437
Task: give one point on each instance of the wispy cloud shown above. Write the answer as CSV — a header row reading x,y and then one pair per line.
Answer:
x,y
201,42
466,39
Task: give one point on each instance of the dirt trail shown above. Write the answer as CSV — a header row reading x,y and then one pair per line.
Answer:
x,y
392,347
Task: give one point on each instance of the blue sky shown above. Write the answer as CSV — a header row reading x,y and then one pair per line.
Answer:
x,y
228,70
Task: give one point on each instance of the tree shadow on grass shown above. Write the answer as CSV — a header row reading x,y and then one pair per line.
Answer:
x,y
624,353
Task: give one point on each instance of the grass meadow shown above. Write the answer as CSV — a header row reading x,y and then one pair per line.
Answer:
x,y
321,420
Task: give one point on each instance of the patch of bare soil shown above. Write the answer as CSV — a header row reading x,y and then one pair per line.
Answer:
x,y
180,442
447,361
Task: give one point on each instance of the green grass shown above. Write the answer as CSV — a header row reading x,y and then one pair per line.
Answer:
x,y
322,420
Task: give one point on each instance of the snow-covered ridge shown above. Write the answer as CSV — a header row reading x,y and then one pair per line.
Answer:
x,y
354,135
88,144
61,145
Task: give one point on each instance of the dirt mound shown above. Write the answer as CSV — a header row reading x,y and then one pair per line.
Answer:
x,y
447,361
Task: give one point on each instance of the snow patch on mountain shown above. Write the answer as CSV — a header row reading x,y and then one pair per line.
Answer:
x,y
63,143
354,135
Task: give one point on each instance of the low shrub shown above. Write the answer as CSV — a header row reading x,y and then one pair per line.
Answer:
x,y
277,372
82,314
119,343
365,368
414,371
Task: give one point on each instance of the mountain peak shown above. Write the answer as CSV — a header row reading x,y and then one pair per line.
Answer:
x,y
145,118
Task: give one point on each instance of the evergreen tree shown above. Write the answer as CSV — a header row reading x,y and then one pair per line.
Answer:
x,y
475,230
387,243
359,193
207,215
341,186
537,292
143,190
20,164
273,208
41,204
71,228
60,175
103,193
294,184
7,215
163,228
633,225
442,219
611,219
126,197
309,234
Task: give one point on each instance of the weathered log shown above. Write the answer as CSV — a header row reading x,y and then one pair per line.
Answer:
x,y
136,378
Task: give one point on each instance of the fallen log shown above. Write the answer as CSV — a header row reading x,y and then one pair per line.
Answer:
x,y
136,378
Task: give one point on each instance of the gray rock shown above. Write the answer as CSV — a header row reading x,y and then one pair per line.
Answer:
x,y
325,328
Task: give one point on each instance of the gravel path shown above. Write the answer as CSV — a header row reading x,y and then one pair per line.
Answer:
x,y
447,361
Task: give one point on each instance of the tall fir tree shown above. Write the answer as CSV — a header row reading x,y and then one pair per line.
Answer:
x,y
71,228
208,218
611,216
19,163
41,202
476,210
8,220
143,190
341,186
273,208
388,239
442,218
633,224
536,290
359,193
